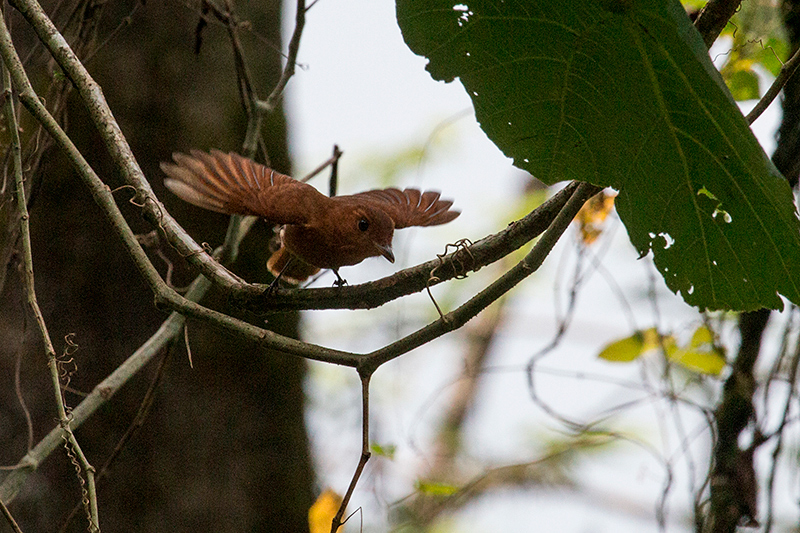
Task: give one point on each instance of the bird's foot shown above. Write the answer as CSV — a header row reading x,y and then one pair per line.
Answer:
x,y
270,291
340,282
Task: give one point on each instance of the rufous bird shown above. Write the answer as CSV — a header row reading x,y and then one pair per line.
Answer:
x,y
320,231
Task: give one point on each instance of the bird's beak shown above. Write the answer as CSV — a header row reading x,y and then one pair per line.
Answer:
x,y
386,251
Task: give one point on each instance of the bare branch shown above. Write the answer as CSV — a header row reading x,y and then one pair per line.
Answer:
x,y
457,318
415,279
713,18
110,132
66,433
291,59
365,454
787,69
9,518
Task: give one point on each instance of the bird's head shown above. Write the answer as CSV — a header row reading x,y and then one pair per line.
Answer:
x,y
372,230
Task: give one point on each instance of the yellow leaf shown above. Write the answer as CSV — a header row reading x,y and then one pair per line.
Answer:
x,y
670,347
320,515
652,339
624,350
701,336
630,348
704,362
592,215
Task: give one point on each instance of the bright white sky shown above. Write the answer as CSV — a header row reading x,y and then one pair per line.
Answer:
x,y
364,90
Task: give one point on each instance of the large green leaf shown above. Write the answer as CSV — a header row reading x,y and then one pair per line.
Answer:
x,y
622,93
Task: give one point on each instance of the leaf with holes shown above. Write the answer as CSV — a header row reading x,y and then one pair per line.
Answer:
x,y
621,93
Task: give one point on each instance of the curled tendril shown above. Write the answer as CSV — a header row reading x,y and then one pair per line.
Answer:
x,y
66,363
457,261
73,458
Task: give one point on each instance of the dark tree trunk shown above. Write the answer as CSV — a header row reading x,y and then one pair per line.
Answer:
x,y
734,488
224,447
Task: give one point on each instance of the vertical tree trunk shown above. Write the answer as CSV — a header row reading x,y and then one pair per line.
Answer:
x,y
733,481
225,446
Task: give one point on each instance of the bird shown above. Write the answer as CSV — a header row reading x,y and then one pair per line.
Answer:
x,y
318,232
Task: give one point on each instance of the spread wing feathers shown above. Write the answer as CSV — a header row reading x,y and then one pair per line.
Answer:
x,y
410,207
232,184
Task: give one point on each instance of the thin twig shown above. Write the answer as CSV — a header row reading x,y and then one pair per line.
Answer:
x,y
260,107
713,17
333,181
246,90
245,85
365,453
457,318
21,398
137,423
291,59
790,400
126,21
787,69
9,518
30,290
332,162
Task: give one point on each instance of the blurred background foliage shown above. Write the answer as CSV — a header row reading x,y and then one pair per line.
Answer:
x,y
752,47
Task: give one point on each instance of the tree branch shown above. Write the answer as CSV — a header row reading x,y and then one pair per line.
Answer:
x,y
65,431
9,518
110,132
787,69
457,318
362,461
291,59
164,295
713,17
415,279
733,482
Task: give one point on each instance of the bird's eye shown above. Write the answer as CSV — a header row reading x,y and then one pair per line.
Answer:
x,y
363,224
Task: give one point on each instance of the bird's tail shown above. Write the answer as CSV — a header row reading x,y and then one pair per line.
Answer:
x,y
289,267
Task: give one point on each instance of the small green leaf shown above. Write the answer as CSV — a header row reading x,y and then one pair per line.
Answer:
x,y
770,54
705,192
743,84
435,489
382,450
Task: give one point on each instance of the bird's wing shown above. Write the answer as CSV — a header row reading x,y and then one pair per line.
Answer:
x,y
410,207
232,184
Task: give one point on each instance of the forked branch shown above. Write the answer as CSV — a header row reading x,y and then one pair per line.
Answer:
x,y
70,442
555,215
